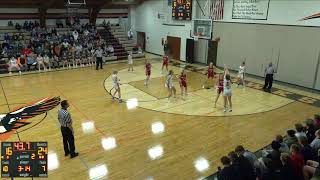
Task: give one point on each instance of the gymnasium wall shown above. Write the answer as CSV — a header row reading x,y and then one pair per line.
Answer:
x,y
283,38
20,15
154,18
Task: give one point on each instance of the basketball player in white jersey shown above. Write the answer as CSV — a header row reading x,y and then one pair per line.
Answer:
x,y
241,73
227,92
170,86
130,61
13,63
116,85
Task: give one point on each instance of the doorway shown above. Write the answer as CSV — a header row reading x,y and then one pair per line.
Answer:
x,y
141,40
174,45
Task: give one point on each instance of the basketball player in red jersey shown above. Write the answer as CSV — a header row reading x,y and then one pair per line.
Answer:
x,y
183,82
210,73
165,62
219,87
147,68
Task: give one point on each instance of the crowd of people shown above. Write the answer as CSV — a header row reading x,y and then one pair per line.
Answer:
x,y
295,157
49,48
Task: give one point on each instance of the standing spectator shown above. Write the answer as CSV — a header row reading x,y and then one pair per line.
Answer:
x,y
307,151
315,144
46,61
247,154
291,138
299,129
283,146
269,71
228,172
130,34
297,161
98,54
65,121
287,170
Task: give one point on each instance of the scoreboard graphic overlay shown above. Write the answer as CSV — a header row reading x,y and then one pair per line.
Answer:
x,y
182,9
24,159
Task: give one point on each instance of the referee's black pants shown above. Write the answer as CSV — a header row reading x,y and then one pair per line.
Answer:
x,y
268,82
68,141
98,62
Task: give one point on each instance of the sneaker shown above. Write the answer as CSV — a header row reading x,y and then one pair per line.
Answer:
x,y
74,155
120,100
230,110
225,110
66,154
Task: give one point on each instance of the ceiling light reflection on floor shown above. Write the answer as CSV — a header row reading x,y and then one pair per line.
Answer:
x,y
53,162
108,143
201,164
157,127
98,172
155,152
132,103
88,126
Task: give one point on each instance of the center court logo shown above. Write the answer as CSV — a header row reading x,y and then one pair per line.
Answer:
x,y
18,117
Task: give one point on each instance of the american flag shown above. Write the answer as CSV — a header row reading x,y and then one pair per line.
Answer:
x,y
216,9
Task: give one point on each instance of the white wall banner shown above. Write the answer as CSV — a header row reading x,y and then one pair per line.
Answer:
x,y
250,9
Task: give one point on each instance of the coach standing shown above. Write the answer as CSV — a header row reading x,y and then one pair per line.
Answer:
x,y
98,53
269,71
65,121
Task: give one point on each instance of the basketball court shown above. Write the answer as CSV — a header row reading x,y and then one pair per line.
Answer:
x,y
149,136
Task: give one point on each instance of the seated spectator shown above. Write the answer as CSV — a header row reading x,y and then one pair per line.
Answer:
x,y
228,172
283,146
22,62
315,144
268,172
291,138
46,61
110,50
297,161
287,170
300,130
307,151
75,35
31,61
6,37
310,130
18,26
275,155
247,154
311,170
246,169
13,63
40,62
317,121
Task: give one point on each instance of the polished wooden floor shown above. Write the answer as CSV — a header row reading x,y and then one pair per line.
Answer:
x,y
149,137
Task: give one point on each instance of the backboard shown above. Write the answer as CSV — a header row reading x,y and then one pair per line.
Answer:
x,y
202,28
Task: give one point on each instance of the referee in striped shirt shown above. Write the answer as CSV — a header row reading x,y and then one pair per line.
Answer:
x,y
65,121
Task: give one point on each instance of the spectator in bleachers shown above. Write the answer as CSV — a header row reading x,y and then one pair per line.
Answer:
x,y
13,64
297,161
228,172
247,154
75,35
6,37
310,130
287,170
317,121
40,62
130,34
246,169
47,62
315,144
299,130
291,138
283,146
22,62
110,50
18,27
306,150
275,155
31,61
10,23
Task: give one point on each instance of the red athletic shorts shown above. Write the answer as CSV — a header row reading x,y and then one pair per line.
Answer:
x,y
183,83
219,90
148,73
165,63
210,75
